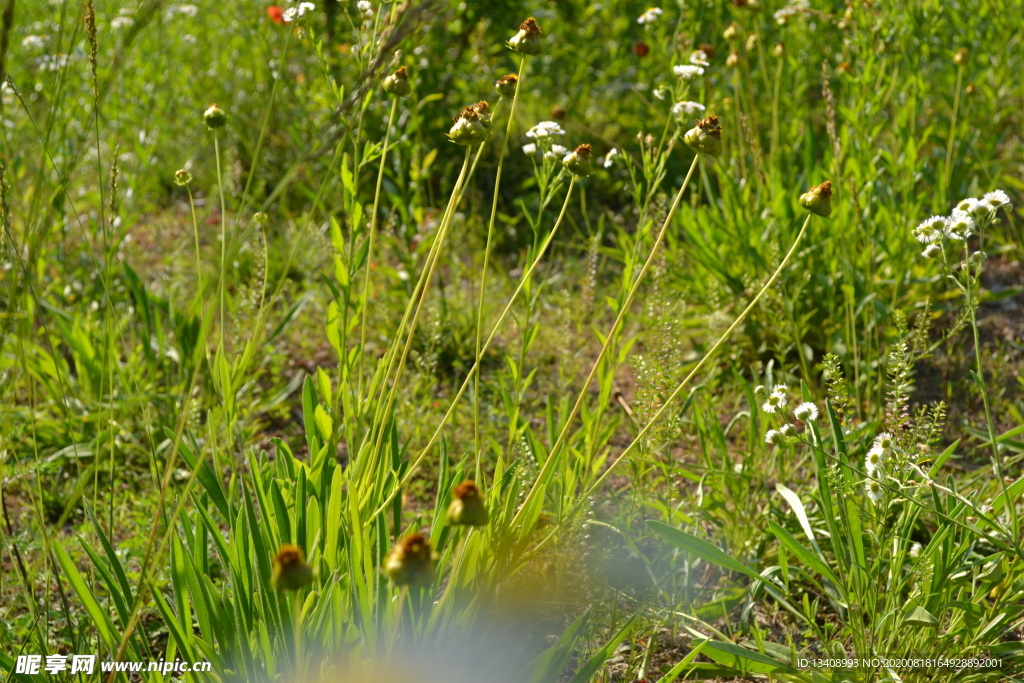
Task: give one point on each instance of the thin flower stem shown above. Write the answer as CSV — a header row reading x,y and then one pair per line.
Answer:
x,y
623,309
199,264
223,233
948,168
487,258
479,355
369,250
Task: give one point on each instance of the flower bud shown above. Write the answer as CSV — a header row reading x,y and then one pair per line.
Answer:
x,y
467,506
818,200
411,562
528,40
397,84
730,32
470,128
960,58
751,42
932,251
506,85
260,218
705,137
291,573
779,51
578,161
182,177
215,117
732,60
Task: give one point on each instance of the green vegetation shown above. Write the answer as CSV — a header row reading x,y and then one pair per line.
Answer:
x,y
693,352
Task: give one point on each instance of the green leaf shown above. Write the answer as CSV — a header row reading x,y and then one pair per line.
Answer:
x,y
99,617
747,661
701,548
919,616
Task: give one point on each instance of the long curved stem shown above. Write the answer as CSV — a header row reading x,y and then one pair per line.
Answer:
x,y
487,258
369,249
223,235
553,454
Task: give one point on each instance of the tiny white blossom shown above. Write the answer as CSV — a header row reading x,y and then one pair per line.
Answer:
x,y
529,149
959,226
686,109
364,6
915,550
33,42
186,10
967,205
874,490
874,459
699,58
545,129
787,429
559,150
650,16
931,251
995,200
773,437
662,92
884,441
806,412
930,230
121,22
776,400
609,158
688,72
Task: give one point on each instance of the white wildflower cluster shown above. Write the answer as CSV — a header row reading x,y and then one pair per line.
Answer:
x,y
34,42
684,111
650,16
182,9
699,58
880,452
365,8
774,401
121,22
687,72
544,134
297,12
545,129
794,8
968,215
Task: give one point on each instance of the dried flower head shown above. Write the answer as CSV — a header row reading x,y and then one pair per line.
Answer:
x,y
528,40
467,506
818,200
705,137
506,85
291,573
577,161
411,562
215,117
397,84
470,127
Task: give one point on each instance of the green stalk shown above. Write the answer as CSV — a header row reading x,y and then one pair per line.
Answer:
x,y
487,257
552,456
369,250
223,234
948,168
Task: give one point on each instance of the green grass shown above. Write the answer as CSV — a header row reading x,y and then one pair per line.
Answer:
x,y
229,398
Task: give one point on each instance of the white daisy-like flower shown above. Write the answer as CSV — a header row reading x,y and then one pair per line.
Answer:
x,y
995,200
688,72
776,400
884,441
364,6
650,16
33,42
609,158
915,550
290,15
686,109
556,152
959,226
931,251
529,149
699,58
806,412
967,205
874,459
787,429
773,437
874,489
545,129
930,229
759,390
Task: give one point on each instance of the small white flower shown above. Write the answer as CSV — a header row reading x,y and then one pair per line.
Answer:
x,y
995,200
121,22
688,72
776,400
874,459
915,550
773,437
609,158
650,16
959,226
364,6
931,251
930,230
806,412
967,205
787,429
884,441
289,15
186,10
874,490
686,109
545,129
662,92
699,58
529,149
33,42
559,150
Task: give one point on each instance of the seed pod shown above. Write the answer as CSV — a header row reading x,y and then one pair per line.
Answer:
x,y
705,137
291,573
467,506
818,200
397,84
506,85
528,40
470,128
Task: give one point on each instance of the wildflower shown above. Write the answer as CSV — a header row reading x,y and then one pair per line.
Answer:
x,y
787,430
397,83
215,117
469,128
760,391
184,10
411,562
931,251
182,177
730,33
806,412
773,437
33,42
365,8
578,161
960,58
706,136
545,129
276,14
874,459
529,149
818,200
751,42
650,16
732,60
995,200
884,441
662,92
291,573
968,205
609,158
641,49
874,490
685,110
293,13
556,152
959,226
121,22
688,72
779,50
930,229
506,85
527,41
467,506
776,400
915,550
699,58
